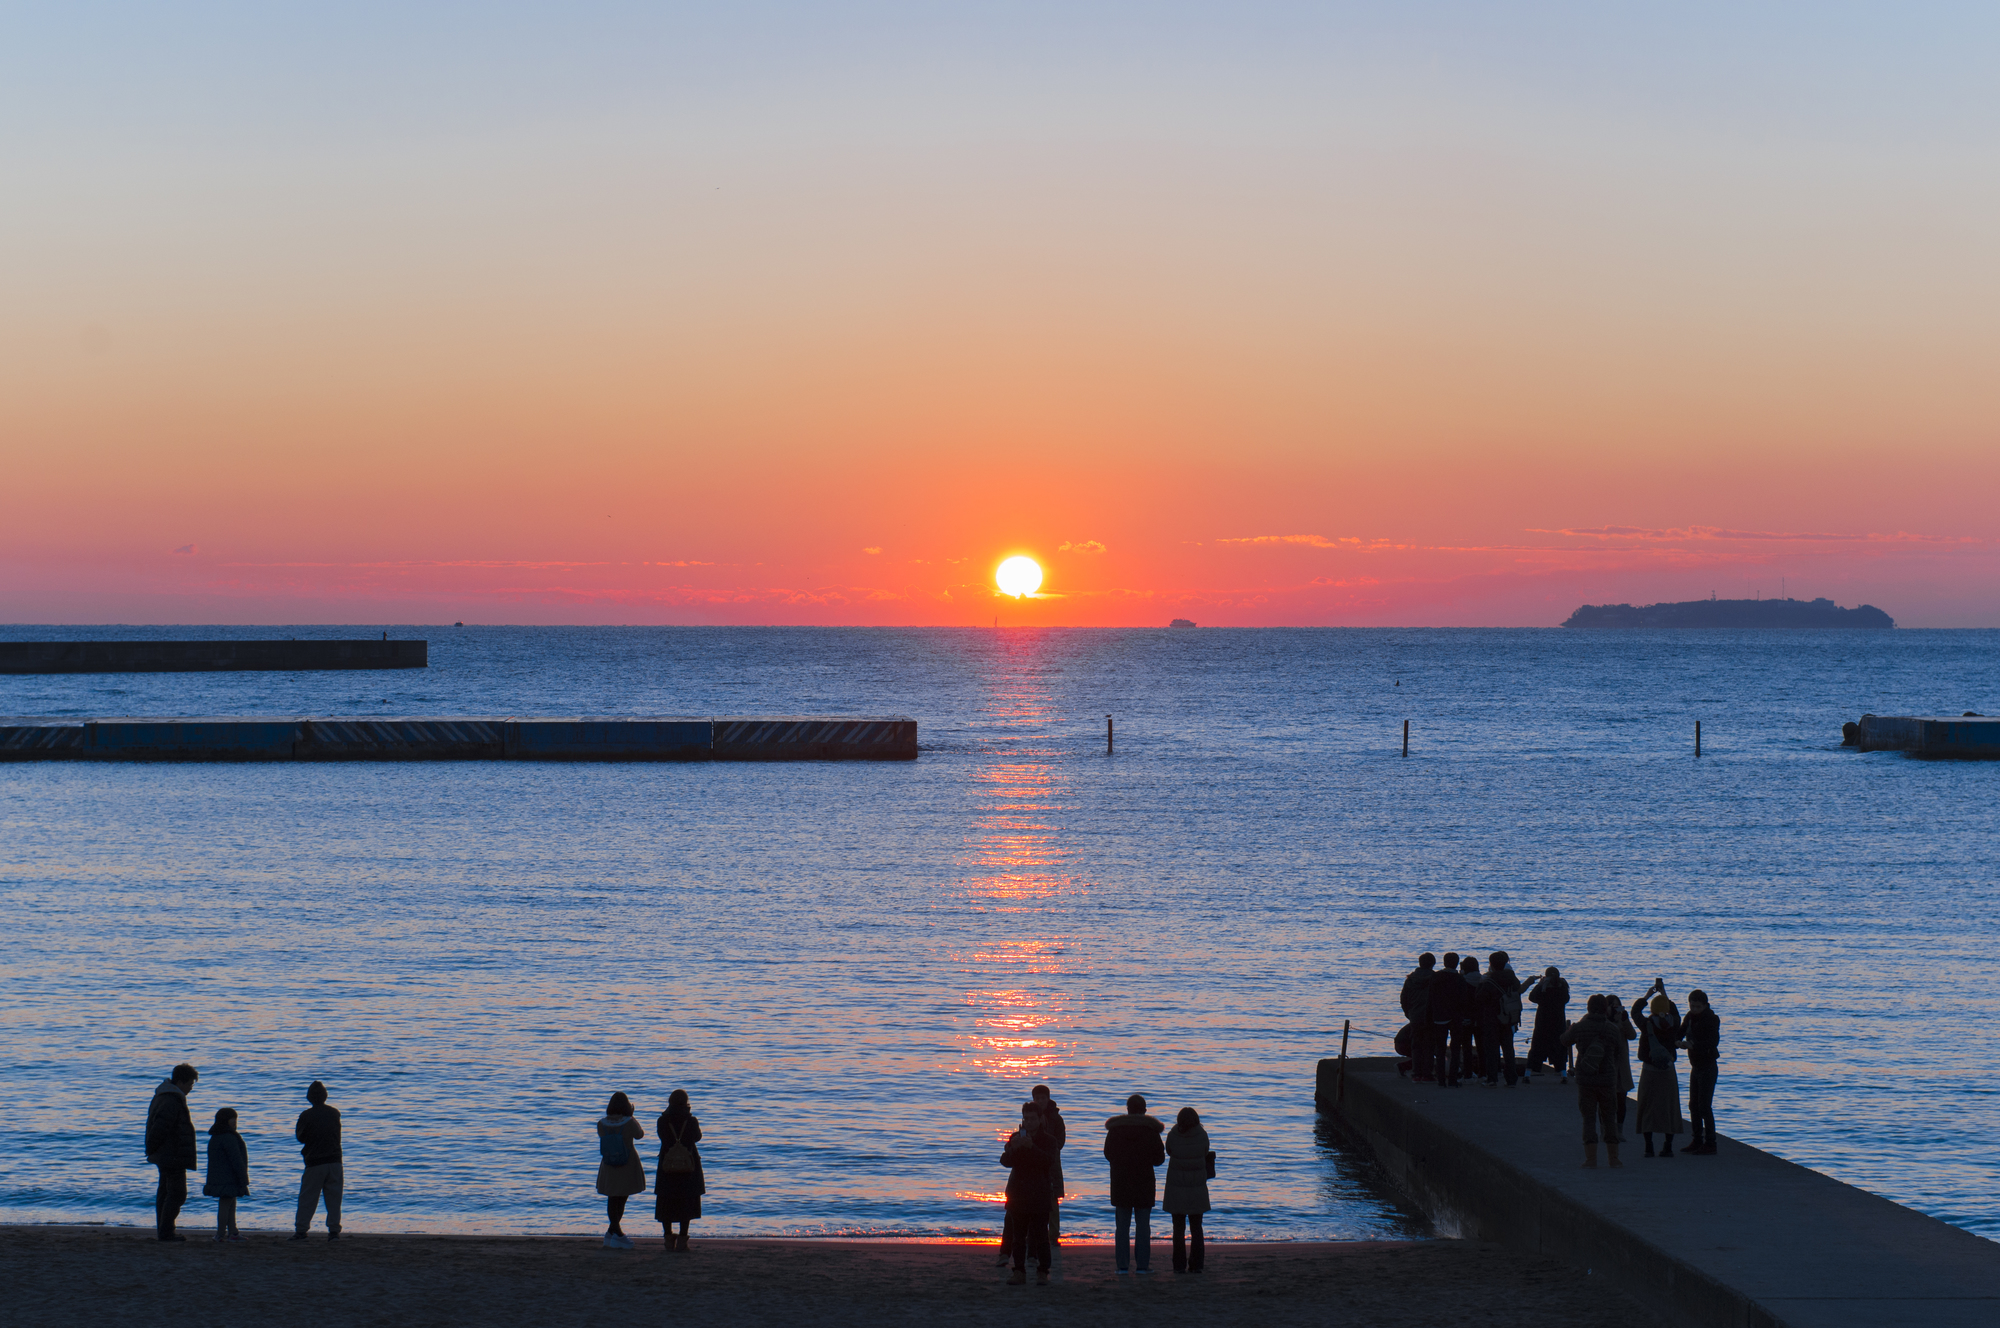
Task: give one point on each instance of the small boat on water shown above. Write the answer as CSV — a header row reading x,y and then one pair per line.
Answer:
x,y
1181,622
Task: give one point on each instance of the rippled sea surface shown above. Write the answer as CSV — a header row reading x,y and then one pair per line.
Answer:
x,y
858,970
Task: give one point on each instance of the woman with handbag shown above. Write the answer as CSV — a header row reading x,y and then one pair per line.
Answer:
x,y
678,1188
1185,1195
620,1174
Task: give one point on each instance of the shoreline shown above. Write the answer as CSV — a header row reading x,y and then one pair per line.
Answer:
x,y
116,1276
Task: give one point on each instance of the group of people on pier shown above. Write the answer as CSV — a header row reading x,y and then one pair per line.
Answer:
x,y
1462,1025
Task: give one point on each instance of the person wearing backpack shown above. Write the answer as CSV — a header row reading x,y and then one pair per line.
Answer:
x,y
1598,1044
677,1190
620,1175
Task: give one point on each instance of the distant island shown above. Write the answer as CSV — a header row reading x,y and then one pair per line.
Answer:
x,y
1180,622
1731,613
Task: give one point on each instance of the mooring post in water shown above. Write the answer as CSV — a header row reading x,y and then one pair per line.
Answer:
x,y
1406,737
1108,735
1340,1085
1697,737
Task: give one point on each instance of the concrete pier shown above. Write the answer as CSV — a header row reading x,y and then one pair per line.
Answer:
x,y
1974,736
208,656
470,738
1738,1240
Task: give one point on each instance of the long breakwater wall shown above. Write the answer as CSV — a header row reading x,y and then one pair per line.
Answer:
x,y
730,738
1740,1239
209,656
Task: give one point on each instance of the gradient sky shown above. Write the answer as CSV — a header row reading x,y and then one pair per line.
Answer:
x,y
810,313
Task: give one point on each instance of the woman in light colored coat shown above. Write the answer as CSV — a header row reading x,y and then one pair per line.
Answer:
x,y
620,1175
1659,1080
1185,1194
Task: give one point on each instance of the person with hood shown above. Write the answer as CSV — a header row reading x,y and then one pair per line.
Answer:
x,y
1416,1002
170,1146
1550,996
681,1182
1186,1197
1659,1080
1598,1043
1701,1034
1055,1133
318,1132
1132,1146
1449,1002
1028,1193
228,1172
620,1174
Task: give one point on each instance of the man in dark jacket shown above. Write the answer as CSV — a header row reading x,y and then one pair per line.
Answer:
x,y
319,1130
1132,1144
1489,1019
1701,1034
170,1146
1598,1044
1028,1191
1417,1009
1448,1004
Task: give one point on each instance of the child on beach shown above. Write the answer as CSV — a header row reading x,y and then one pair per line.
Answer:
x,y
228,1172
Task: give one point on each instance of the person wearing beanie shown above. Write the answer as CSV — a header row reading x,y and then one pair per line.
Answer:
x,y
318,1131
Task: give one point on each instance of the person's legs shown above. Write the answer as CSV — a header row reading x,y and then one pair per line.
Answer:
x,y
1511,1067
1121,1248
1017,1242
1701,1107
1647,1135
225,1217
1587,1103
1038,1242
310,1181
1143,1255
1055,1222
336,1181
1194,1243
1607,1120
1007,1235
167,1201
614,1210
1441,1053
682,1242
1180,1242
1420,1060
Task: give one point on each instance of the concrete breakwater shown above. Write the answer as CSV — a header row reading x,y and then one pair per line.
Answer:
x,y
625,738
1968,735
209,656
1742,1238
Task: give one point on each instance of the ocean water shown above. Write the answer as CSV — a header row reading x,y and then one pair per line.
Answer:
x,y
858,970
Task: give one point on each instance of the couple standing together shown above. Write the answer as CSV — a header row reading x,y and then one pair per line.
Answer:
x,y
677,1189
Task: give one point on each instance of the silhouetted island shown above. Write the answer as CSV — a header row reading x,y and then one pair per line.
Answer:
x,y
1731,613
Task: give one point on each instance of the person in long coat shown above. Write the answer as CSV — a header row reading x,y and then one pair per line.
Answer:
x,y
681,1182
1186,1196
1132,1146
228,1172
1623,1020
1659,1080
1030,1191
1550,996
620,1174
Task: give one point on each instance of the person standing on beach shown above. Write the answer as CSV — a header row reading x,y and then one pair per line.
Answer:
x,y
170,1146
318,1130
1448,999
681,1182
1186,1197
1598,1043
1028,1193
1550,996
1701,1034
620,1174
1417,1009
1132,1146
228,1172
1054,1134
1659,1081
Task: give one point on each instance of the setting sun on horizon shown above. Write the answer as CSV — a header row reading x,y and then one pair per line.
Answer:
x,y
1018,576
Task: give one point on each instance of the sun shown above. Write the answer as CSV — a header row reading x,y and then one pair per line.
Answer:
x,y
1019,575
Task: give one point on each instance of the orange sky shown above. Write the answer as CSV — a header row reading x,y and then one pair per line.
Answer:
x,y
1355,321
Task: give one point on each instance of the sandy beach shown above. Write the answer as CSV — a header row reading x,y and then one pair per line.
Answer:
x,y
119,1276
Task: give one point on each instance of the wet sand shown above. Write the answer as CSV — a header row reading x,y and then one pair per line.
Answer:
x,y
113,1277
